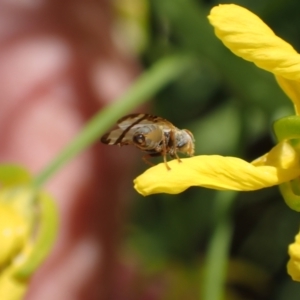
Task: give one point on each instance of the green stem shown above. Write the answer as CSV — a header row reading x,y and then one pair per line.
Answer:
x,y
146,86
287,128
217,254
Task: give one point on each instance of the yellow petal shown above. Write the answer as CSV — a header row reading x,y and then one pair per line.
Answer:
x,y
293,266
14,232
10,287
292,89
213,171
282,156
247,36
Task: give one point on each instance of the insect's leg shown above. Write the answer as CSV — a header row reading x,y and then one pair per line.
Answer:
x,y
174,152
165,161
165,152
178,158
145,159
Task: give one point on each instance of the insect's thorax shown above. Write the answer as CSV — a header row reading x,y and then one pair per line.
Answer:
x,y
155,139
150,137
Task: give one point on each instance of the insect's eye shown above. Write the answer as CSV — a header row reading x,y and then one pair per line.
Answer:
x,y
139,139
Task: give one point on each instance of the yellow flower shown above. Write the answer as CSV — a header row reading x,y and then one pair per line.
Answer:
x,y
247,36
28,223
221,173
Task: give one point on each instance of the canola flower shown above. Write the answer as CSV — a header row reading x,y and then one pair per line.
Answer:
x,y
28,225
248,37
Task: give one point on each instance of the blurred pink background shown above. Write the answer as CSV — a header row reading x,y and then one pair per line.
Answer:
x,y
59,66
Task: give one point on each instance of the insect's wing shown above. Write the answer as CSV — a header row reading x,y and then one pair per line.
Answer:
x,y
112,137
127,127
131,123
164,124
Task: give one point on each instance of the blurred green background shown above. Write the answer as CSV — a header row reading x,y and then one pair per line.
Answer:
x,y
199,238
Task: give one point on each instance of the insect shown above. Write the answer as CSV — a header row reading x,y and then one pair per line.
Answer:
x,y
153,135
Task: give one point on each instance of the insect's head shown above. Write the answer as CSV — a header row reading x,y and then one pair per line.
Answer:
x,y
185,142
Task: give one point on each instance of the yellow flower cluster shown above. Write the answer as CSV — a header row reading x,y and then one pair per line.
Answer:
x,y
28,224
247,36
15,229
